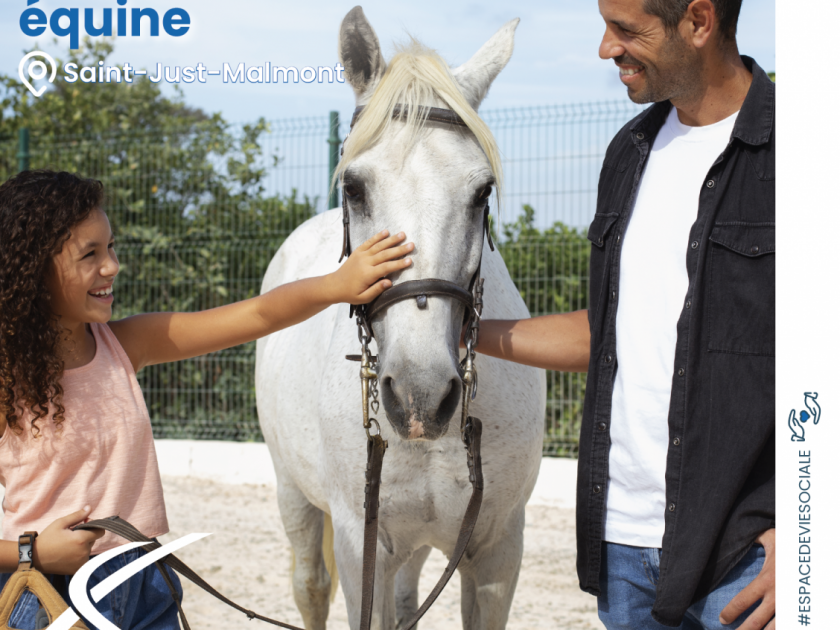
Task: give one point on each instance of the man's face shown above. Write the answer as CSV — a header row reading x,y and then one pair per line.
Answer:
x,y
654,64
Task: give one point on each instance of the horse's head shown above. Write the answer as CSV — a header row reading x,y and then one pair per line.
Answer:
x,y
430,180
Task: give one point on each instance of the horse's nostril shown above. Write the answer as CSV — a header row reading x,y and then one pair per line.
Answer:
x,y
450,401
388,383
389,396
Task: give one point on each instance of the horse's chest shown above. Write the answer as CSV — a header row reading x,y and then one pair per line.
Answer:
x,y
428,492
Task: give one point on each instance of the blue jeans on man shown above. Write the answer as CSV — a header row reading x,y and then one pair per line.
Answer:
x,y
628,588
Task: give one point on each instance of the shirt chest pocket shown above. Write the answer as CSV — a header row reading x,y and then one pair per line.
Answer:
x,y
599,234
742,288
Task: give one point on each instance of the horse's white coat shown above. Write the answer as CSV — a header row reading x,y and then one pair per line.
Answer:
x,y
309,396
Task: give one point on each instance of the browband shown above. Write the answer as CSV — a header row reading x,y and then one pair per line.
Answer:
x,y
435,114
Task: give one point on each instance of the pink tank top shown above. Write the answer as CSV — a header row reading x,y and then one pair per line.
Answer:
x,y
103,456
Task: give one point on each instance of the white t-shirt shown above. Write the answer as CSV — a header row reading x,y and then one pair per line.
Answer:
x,y
651,295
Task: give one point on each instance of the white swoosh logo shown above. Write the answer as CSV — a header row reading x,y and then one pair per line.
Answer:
x,y
78,585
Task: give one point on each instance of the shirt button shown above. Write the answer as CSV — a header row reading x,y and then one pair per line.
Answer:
x,y
672,507
688,304
754,249
681,371
694,244
710,183
639,136
613,295
602,426
608,358
596,489
676,441
618,238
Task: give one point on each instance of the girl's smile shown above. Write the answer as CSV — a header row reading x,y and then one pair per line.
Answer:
x,y
103,294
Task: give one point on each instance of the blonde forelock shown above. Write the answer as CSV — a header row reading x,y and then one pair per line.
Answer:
x,y
415,76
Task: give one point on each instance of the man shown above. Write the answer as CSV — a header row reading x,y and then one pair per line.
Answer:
x,y
676,477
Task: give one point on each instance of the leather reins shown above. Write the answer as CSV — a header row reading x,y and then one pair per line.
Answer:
x,y
421,290
116,525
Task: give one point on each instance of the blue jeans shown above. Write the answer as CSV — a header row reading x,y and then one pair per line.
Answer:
x,y
628,588
143,602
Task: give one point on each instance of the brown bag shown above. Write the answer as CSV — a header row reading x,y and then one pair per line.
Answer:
x,y
28,578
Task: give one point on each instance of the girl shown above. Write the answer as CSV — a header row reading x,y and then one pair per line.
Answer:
x,y
76,439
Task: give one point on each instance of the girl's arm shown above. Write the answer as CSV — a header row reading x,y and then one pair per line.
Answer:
x,y
162,337
554,342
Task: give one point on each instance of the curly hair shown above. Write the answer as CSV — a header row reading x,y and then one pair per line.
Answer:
x,y
38,209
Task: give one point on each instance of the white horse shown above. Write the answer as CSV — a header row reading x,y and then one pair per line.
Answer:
x,y
429,180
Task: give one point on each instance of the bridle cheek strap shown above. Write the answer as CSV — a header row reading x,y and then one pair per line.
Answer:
x,y
472,299
433,114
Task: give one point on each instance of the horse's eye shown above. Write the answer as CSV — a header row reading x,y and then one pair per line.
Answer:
x,y
352,191
485,193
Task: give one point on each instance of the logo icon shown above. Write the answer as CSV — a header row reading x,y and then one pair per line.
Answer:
x,y
813,411
36,71
78,585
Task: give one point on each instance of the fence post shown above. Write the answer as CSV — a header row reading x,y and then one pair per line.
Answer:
x,y
23,149
334,143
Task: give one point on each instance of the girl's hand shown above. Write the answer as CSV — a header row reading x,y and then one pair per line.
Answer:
x,y
362,277
58,549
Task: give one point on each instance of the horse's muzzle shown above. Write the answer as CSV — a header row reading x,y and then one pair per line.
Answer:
x,y
420,413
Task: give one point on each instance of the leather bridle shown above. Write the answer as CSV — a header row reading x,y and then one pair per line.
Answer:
x,y
420,290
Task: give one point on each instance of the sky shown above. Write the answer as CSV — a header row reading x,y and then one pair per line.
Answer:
x,y
555,58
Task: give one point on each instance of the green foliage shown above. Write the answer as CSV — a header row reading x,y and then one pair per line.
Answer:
x,y
550,267
551,270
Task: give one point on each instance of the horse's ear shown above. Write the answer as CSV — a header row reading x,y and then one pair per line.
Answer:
x,y
476,75
359,53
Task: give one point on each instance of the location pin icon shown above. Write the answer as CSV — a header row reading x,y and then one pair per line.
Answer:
x,y
37,70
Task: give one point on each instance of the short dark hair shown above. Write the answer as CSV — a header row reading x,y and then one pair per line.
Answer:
x,y
672,11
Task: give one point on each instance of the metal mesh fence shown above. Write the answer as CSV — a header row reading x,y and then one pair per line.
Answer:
x,y
552,157
199,213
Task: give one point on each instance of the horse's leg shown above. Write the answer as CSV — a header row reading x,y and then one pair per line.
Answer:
x,y
348,546
304,525
488,580
405,585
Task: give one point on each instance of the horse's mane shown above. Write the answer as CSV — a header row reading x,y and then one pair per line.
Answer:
x,y
415,75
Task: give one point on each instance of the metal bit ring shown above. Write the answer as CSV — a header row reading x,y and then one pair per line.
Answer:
x,y
378,428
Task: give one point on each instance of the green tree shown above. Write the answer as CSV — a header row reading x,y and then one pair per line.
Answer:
x,y
550,268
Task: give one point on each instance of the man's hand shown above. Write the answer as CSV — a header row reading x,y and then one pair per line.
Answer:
x,y
763,587
362,277
60,550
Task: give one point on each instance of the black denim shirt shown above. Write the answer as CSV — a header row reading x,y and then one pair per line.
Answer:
x,y
720,471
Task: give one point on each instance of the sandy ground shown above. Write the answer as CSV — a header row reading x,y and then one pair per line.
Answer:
x,y
247,558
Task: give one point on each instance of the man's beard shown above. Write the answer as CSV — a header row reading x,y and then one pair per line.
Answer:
x,y
675,76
